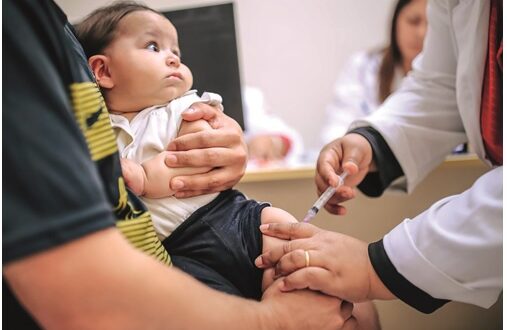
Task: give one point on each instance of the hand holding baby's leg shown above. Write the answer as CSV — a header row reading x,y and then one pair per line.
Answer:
x,y
272,215
134,176
331,262
364,313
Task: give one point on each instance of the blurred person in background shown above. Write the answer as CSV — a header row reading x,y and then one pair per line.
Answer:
x,y
371,76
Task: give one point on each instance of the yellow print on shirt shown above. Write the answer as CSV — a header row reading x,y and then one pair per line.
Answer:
x,y
138,228
93,119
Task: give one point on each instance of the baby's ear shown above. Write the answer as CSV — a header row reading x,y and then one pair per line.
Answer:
x,y
100,68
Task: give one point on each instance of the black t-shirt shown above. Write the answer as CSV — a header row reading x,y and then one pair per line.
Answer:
x,y
61,172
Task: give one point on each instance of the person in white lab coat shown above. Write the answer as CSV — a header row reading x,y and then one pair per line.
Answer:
x,y
371,76
453,250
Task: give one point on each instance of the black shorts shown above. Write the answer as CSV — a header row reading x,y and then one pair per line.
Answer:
x,y
219,242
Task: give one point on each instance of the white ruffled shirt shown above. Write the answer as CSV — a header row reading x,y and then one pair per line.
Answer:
x,y
148,134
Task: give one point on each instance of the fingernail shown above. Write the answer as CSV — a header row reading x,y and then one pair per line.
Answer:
x,y
258,261
171,159
189,110
177,184
263,228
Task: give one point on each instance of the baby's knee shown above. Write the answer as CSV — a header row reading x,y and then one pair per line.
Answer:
x,y
276,215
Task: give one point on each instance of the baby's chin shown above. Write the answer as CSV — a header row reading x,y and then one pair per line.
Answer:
x,y
168,97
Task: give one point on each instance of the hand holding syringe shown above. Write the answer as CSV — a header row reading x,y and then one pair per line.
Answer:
x,y
324,198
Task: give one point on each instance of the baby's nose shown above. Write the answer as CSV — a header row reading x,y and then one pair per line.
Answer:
x,y
173,60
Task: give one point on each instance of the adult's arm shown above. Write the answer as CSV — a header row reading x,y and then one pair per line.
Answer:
x,y
453,251
101,282
222,148
457,243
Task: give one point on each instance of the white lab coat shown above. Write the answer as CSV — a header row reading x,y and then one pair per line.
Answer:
x,y
355,94
453,250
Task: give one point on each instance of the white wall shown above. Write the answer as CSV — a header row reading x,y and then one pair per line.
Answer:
x,y
292,49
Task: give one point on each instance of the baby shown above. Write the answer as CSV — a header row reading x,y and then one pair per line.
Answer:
x,y
134,54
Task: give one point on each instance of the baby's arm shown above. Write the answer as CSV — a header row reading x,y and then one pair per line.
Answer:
x,y
152,178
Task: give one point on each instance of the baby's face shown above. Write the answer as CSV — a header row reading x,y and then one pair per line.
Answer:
x,y
144,62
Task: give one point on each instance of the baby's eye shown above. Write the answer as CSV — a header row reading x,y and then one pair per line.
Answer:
x,y
153,46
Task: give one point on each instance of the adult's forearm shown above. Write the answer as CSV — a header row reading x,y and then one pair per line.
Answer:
x,y
100,281
456,244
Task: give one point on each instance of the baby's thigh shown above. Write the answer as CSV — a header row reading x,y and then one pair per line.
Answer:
x,y
276,215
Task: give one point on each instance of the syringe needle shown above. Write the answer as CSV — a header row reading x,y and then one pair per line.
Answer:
x,y
324,198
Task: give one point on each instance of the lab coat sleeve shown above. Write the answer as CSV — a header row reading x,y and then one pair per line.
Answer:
x,y
349,97
420,122
454,249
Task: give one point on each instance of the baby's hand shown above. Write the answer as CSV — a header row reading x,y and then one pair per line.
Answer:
x,y
134,176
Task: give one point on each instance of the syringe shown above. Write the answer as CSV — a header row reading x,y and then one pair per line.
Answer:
x,y
324,198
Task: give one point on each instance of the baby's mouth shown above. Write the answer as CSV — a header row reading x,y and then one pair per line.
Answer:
x,y
175,75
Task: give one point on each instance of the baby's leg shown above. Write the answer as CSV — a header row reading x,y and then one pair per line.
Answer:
x,y
272,215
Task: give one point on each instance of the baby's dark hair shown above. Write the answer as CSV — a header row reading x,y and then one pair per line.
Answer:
x,y
96,31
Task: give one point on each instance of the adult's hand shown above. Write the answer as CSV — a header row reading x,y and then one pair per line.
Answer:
x,y
305,309
222,148
338,264
352,153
